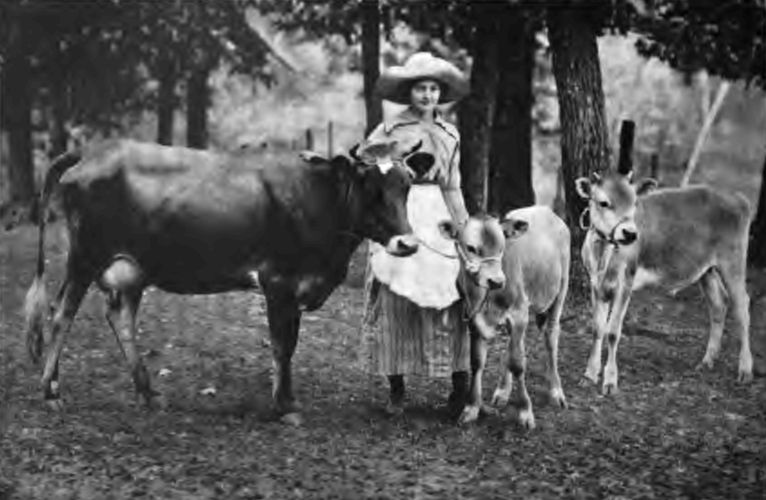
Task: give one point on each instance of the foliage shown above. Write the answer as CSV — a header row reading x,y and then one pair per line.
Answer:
x,y
725,38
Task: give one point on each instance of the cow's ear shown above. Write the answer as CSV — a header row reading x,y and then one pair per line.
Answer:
x,y
583,187
448,229
513,228
646,186
420,163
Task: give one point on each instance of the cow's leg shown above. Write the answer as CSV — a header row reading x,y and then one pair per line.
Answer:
x,y
478,362
733,274
600,314
69,298
716,298
284,323
614,333
552,331
121,316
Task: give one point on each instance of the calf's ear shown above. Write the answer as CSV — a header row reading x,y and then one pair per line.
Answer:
x,y
448,229
646,186
513,228
583,185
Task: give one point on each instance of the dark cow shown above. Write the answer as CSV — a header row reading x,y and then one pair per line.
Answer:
x,y
197,222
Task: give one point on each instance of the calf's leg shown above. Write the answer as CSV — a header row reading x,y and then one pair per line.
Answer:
x,y
478,362
600,314
716,297
733,275
614,333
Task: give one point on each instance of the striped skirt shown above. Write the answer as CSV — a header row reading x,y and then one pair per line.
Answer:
x,y
400,337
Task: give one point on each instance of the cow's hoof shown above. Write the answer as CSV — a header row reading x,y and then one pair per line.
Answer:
x,y
609,389
488,411
293,419
745,377
527,419
558,398
55,405
500,398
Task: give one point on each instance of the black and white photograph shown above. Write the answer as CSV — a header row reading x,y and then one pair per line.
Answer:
x,y
382,249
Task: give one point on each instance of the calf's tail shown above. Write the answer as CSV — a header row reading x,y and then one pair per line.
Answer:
x,y
36,300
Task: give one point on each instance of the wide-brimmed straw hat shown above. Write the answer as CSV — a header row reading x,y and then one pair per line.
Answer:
x,y
395,82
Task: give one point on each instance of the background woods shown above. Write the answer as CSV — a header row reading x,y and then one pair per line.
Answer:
x,y
181,72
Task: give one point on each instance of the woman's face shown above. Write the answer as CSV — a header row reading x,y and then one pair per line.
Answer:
x,y
424,95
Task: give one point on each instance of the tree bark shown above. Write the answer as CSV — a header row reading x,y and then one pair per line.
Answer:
x,y
757,248
197,102
371,62
59,113
584,139
576,69
511,151
477,111
16,118
166,104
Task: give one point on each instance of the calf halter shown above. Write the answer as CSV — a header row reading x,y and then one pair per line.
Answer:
x,y
472,266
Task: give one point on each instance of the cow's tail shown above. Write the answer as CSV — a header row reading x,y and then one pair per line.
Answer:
x,y
36,301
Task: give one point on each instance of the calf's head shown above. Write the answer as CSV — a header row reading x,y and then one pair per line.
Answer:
x,y
480,244
383,182
612,204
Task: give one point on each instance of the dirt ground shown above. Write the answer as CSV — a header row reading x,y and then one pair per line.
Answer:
x,y
671,432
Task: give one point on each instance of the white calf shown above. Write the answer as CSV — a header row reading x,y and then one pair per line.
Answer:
x,y
531,248
670,238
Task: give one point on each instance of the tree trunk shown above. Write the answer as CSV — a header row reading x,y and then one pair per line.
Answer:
x,y
59,136
166,104
757,249
584,140
576,68
16,120
371,62
197,102
477,111
511,152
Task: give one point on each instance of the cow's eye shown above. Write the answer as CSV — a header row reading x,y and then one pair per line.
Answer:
x,y
471,249
603,204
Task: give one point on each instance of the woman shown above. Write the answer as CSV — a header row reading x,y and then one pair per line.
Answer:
x,y
413,319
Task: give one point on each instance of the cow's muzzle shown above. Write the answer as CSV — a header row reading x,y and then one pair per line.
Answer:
x,y
402,245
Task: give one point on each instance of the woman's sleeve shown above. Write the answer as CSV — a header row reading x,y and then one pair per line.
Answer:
x,y
453,196
378,133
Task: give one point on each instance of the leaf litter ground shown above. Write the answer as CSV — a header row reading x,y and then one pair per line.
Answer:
x,y
671,431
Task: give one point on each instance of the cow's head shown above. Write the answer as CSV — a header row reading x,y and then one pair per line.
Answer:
x,y
383,182
480,244
612,204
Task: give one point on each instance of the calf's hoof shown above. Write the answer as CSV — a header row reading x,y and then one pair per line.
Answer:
x,y
609,389
705,364
55,405
500,398
470,414
558,398
745,377
527,419
292,419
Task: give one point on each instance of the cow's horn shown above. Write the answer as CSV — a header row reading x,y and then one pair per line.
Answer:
x,y
353,152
